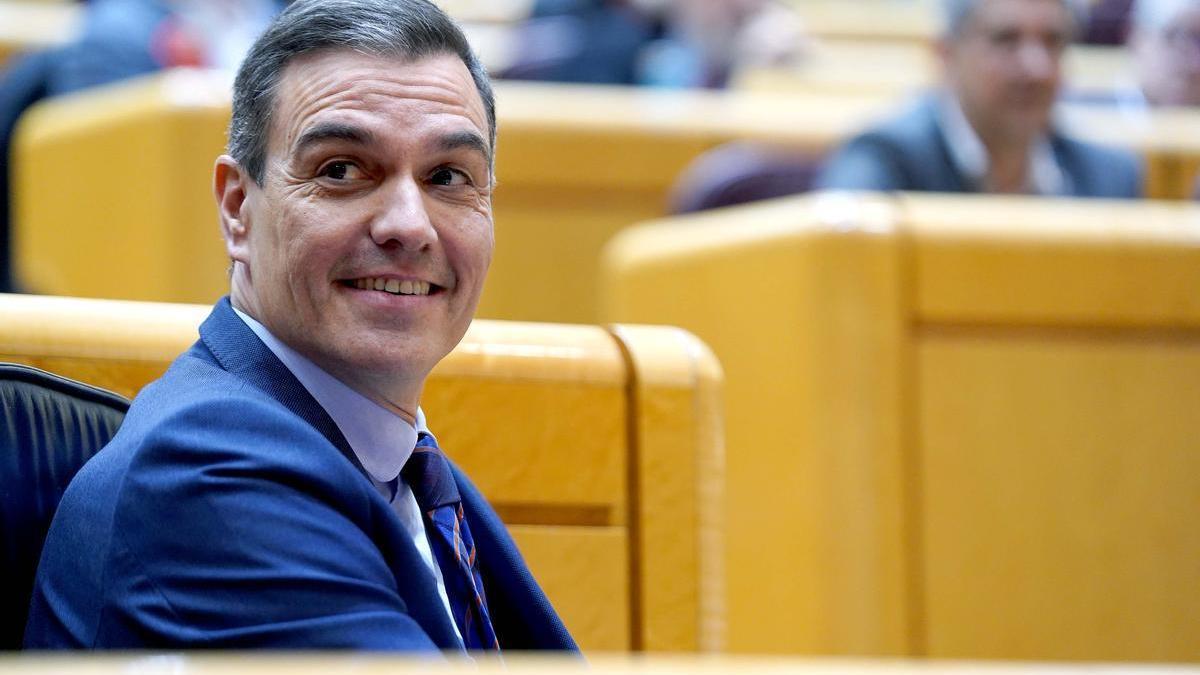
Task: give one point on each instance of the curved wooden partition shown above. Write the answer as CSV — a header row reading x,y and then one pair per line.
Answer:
x,y
590,443
956,426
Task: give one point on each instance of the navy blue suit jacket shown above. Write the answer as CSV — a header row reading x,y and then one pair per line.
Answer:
x,y
229,512
909,152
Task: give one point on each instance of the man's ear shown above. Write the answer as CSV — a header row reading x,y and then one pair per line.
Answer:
x,y
231,186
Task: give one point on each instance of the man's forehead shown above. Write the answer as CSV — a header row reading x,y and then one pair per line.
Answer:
x,y
1053,14
313,82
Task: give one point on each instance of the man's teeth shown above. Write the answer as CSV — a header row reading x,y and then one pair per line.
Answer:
x,y
393,286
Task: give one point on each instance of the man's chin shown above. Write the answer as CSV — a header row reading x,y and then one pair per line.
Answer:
x,y
1023,125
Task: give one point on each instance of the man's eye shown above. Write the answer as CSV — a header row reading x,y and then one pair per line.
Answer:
x,y
1056,43
1005,39
446,176
341,171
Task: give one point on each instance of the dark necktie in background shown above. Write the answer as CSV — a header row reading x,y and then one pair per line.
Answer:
x,y
427,472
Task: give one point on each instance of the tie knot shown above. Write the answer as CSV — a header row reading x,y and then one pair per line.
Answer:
x,y
427,472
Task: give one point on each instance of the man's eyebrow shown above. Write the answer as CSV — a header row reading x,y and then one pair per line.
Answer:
x,y
466,139
327,131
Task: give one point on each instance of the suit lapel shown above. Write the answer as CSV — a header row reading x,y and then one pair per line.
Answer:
x,y
239,351
941,171
1079,180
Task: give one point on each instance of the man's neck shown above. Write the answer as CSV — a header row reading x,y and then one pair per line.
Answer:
x,y
404,407
1008,166
998,162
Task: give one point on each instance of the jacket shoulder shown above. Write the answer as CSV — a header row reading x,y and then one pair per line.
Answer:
x,y
219,518
1098,170
886,156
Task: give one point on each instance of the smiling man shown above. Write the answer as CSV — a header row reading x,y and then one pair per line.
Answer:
x,y
278,487
990,127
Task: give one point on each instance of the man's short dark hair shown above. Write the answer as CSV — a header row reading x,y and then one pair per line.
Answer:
x,y
403,29
956,12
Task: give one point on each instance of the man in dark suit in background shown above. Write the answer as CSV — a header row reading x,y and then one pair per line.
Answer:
x,y
990,128
278,486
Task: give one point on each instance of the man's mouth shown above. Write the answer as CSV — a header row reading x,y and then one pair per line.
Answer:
x,y
393,286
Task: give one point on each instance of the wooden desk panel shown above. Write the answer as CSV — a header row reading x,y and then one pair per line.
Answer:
x,y
802,304
961,422
1060,480
1051,263
520,430
565,559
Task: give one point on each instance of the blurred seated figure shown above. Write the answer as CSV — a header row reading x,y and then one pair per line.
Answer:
x,y
669,43
585,41
990,127
124,38
1165,41
121,39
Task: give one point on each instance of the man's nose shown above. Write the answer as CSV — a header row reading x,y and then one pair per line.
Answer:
x,y
1038,61
402,219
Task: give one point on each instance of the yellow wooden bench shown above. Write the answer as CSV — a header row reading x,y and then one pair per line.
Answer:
x,y
600,449
957,427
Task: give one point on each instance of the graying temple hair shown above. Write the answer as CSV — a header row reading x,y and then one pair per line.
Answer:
x,y
402,29
1154,15
956,12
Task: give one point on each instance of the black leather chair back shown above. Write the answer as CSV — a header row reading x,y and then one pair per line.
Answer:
x,y
51,426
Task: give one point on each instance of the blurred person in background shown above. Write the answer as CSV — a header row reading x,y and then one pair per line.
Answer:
x,y
669,43
123,38
1164,38
990,127
1165,42
120,39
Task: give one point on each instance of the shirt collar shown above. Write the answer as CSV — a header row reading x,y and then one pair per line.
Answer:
x,y
1043,175
382,440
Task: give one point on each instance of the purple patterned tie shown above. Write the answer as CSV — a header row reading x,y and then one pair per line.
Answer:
x,y
427,472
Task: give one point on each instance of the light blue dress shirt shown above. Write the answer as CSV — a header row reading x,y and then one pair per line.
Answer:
x,y
1043,176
